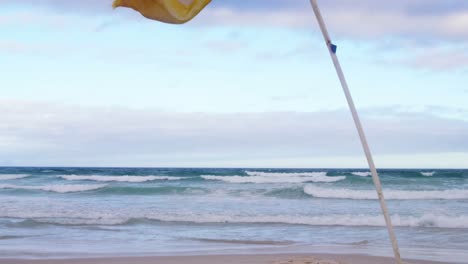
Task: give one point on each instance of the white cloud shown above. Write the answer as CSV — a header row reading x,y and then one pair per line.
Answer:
x,y
355,19
382,23
440,59
353,22
37,18
55,134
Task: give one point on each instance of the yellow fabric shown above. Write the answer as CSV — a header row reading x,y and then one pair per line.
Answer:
x,y
168,11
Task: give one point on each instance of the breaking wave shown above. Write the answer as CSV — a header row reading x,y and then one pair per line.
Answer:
x,y
286,174
56,188
156,190
428,173
362,173
427,220
335,193
277,178
118,178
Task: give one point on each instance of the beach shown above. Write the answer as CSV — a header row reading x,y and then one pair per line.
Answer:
x,y
226,259
261,132
61,215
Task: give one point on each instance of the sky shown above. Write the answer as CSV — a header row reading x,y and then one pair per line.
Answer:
x,y
245,84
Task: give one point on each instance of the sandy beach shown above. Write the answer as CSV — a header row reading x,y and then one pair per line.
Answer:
x,y
226,259
234,132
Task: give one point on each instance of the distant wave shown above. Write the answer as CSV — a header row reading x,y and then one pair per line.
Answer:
x,y
286,174
13,176
428,173
277,178
152,190
335,193
55,188
125,178
362,173
428,220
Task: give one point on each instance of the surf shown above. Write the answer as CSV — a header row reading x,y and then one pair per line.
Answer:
x,y
345,220
280,177
354,194
4,177
125,178
59,188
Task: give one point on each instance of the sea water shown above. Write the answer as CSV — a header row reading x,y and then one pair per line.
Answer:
x,y
81,212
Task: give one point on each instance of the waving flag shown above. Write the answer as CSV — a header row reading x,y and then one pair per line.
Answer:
x,y
168,11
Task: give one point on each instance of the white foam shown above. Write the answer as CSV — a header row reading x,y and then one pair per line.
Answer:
x,y
362,173
56,188
428,173
126,178
13,176
428,220
432,220
67,217
273,179
286,174
335,193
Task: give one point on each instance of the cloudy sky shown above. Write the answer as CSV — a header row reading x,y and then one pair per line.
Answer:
x,y
245,84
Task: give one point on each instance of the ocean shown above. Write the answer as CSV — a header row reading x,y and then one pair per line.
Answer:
x,y
85,212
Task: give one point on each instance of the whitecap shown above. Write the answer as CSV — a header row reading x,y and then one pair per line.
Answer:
x,y
125,178
56,188
273,179
286,174
362,173
428,173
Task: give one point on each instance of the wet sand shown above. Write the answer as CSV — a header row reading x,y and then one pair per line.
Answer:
x,y
225,259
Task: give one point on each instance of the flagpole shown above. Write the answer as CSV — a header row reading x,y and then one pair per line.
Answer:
x,y
375,177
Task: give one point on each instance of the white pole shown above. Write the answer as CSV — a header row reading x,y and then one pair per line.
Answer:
x,y
357,122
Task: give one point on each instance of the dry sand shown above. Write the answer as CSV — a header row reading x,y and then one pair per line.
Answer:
x,y
225,259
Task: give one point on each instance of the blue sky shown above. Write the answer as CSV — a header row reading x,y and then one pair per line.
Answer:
x,y
243,84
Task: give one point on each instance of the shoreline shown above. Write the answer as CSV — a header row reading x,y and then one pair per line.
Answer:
x,y
228,259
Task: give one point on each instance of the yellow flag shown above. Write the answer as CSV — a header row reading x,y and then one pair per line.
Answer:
x,y
168,11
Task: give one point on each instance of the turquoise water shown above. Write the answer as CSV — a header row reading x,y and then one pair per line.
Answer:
x,y
67,212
